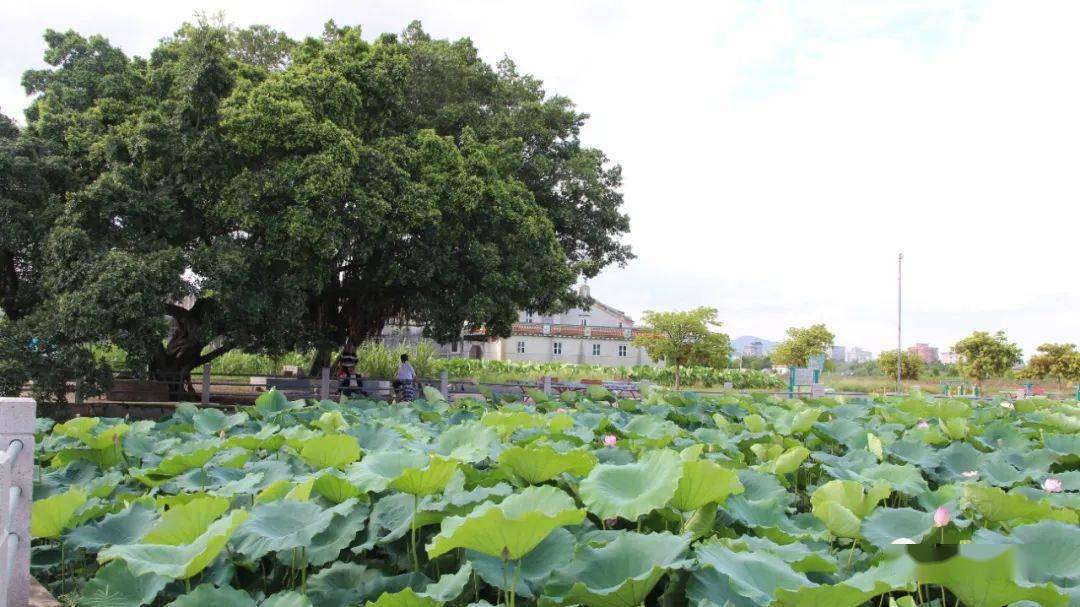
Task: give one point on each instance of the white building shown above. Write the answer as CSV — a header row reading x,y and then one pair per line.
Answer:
x,y
949,358
599,335
856,354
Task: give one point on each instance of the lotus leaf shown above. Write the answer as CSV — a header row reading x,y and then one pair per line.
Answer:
x,y
509,529
621,573
538,464
631,490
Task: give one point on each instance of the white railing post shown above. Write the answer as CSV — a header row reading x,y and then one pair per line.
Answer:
x,y
547,384
444,384
17,417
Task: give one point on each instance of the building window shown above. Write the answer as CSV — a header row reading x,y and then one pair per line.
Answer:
x,y
528,318
556,347
622,350
454,347
584,322
521,347
596,349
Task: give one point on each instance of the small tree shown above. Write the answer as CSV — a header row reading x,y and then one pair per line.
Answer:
x,y
1060,361
801,344
911,364
684,338
983,356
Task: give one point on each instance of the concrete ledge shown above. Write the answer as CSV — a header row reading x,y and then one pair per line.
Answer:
x,y
39,597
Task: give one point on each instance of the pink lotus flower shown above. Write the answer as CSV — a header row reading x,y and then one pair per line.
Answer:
x,y
1052,485
923,424
611,522
560,410
942,517
610,440
1007,404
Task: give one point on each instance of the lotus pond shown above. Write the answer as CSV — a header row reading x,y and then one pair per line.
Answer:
x,y
587,500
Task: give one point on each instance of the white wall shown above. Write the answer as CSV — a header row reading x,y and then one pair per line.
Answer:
x,y
574,350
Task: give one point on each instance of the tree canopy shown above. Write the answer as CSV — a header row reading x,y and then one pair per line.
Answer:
x,y
801,344
911,364
1060,361
983,355
684,338
239,189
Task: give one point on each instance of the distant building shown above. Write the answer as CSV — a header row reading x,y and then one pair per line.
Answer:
x,y
949,358
600,335
926,352
838,354
857,355
754,349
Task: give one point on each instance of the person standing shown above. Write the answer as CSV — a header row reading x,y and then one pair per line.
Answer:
x,y
406,379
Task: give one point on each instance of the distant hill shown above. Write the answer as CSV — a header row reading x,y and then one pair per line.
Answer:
x,y
739,343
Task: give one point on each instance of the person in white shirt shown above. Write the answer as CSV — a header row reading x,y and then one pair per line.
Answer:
x,y
406,379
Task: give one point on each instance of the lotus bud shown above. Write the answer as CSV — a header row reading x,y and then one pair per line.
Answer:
x,y
970,474
561,410
221,434
923,424
1052,485
611,522
610,440
1007,404
942,516
904,541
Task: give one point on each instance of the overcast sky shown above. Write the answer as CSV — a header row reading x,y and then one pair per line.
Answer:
x,y
777,155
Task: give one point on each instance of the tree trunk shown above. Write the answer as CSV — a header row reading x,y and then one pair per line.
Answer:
x,y
677,376
322,359
173,362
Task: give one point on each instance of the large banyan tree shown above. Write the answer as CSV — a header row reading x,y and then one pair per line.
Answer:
x,y
238,189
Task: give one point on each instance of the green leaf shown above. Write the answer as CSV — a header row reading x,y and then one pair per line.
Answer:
x,y
330,451
886,525
893,574
273,403
997,506
207,594
469,442
536,567
335,488
619,574
704,482
177,562
631,490
289,598
115,586
376,471
125,527
747,577
509,529
278,526
841,505
985,576
448,588
427,480
538,464
49,517
184,523
433,395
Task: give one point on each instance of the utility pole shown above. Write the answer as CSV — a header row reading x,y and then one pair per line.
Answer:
x,y
899,303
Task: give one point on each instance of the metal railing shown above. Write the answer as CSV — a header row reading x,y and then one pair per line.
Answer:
x,y
17,418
